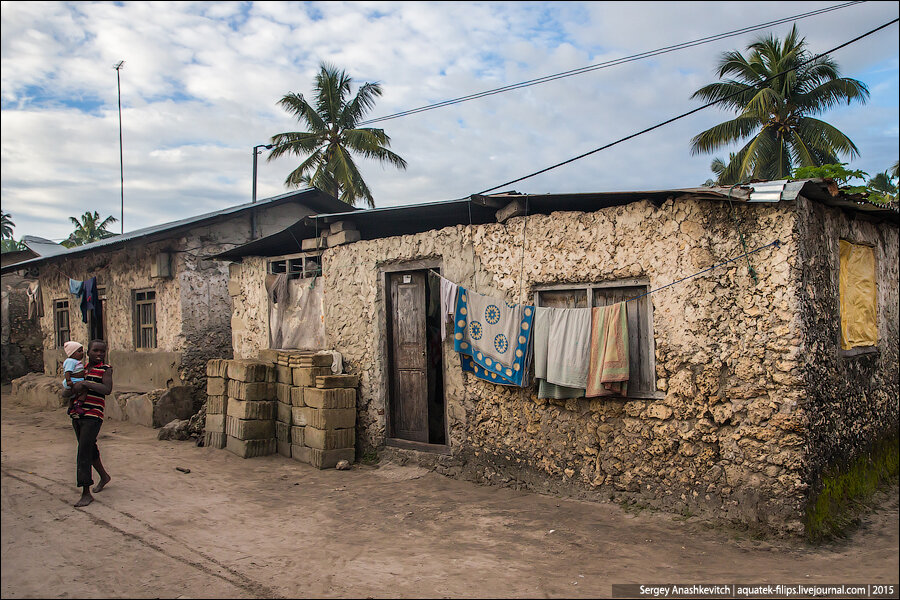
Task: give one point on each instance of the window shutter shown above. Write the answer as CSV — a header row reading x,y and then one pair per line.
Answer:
x,y
640,343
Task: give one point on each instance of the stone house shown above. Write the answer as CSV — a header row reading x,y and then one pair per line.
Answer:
x,y
165,308
746,384
21,343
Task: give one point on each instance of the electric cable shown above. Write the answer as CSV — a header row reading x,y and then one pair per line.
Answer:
x,y
607,64
690,112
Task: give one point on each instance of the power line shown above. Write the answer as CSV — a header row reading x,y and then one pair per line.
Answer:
x,y
681,116
607,64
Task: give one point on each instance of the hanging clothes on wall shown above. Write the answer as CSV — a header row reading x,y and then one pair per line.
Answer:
x,y
494,337
76,288
609,369
35,300
561,351
296,314
89,299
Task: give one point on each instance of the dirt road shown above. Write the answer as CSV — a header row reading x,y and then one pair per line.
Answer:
x,y
272,527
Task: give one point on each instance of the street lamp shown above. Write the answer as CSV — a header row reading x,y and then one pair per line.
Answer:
x,y
256,152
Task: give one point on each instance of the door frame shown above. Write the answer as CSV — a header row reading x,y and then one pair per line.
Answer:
x,y
384,274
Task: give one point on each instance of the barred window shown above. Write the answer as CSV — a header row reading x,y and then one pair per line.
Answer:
x,y
145,319
61,321
306,264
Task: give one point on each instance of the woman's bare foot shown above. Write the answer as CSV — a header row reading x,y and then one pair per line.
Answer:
x,y
86,499
102,483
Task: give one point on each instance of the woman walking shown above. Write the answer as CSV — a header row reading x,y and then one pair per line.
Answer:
x,y
97,384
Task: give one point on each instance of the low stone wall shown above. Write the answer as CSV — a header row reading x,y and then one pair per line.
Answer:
x,y
39,391
153,408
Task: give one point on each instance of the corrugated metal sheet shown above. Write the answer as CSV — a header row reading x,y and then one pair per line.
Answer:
x,y
313,198
43,247
769,191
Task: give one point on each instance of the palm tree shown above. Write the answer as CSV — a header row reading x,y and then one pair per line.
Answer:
x,y
6,226
89,229
884,188
775,112
333,137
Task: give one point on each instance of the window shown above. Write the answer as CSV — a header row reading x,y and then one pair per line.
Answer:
x,y
858,298
307,264
639,312
145,319
61,321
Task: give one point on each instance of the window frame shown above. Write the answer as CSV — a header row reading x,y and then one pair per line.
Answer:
x,y
295,265
59,310
589,289
139,326
858,350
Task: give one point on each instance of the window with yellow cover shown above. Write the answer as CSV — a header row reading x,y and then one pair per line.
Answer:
x,y
858,292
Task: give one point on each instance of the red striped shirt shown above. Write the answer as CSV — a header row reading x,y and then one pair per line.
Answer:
x,y
95,403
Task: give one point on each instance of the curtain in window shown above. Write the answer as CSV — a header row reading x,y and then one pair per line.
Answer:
x,y
858,295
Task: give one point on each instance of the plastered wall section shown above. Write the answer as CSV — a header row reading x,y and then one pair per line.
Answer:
x,y
852,400
724,437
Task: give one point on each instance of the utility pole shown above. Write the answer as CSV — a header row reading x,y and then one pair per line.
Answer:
x,y
118,68
256,152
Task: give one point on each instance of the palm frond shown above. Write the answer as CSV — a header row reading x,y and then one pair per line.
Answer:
x,y
362,103
723,134
826,137
832,93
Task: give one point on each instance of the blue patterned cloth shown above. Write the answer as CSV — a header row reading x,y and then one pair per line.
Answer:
x,y
493,337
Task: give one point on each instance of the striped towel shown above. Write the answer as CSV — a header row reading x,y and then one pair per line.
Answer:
x,y
608,372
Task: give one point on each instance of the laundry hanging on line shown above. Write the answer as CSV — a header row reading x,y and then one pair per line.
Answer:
x,y
576,352
493,337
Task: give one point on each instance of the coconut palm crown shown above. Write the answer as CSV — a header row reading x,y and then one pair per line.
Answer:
x,y
6,225
777,115
89,229
333,137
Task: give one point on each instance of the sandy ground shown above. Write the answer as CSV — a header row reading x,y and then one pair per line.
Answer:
x,y
272,527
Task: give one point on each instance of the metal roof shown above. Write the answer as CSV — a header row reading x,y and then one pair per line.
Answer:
x,y
42,246
404,220
313,198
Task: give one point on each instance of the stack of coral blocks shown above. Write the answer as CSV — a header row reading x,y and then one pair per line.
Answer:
x,y
321,427
287,402
245,425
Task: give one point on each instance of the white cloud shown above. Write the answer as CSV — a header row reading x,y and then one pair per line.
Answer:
x,y
202,79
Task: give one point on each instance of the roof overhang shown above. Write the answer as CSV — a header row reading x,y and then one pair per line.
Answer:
x,y
477,210
312,198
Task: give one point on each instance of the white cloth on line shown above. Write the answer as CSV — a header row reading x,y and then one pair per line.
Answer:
x,y
448,304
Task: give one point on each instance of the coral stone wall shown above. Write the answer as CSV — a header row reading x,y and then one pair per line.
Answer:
x,y
725,435
852,400
250,312
22,343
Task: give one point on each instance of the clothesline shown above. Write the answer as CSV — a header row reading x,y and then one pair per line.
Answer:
x,y
776,243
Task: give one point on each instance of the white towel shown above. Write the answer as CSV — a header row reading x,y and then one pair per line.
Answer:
x,y
448,304
569,346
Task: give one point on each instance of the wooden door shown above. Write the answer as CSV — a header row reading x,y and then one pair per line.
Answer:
x,y
409,385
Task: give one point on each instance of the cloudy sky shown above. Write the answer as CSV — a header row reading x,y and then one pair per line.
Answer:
x,y
201,82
